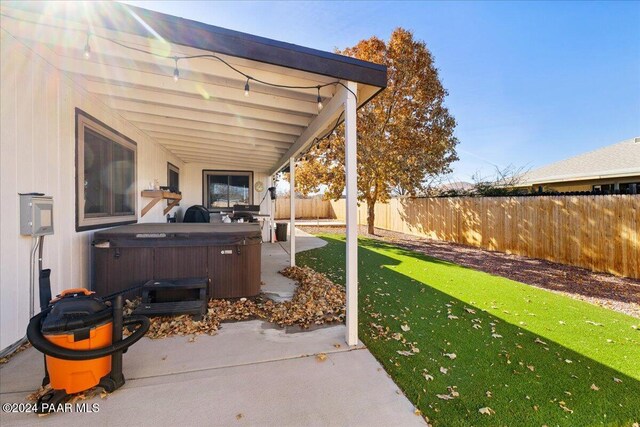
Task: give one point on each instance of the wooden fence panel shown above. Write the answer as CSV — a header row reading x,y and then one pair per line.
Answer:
x,y
600,233
305,208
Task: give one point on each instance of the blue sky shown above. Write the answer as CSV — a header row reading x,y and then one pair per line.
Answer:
x,y
529,83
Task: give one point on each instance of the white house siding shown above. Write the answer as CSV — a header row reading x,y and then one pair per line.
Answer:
x,y
37,153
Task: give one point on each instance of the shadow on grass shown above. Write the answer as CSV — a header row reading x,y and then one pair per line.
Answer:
x,y
525,378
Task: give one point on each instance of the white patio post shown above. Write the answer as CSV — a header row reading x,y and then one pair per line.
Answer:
x,y
352,212
292,200
271,208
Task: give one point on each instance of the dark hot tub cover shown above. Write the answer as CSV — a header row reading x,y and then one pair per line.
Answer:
x,y
179,234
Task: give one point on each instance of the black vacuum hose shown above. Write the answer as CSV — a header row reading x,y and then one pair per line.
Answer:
x,y
37,339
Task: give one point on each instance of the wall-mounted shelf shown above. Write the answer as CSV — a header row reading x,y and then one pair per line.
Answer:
x,y
158,195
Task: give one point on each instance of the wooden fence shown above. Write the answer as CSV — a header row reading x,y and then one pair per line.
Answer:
x,y
601,233
305,208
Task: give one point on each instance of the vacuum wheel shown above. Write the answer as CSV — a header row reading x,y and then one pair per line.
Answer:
x,y
49,401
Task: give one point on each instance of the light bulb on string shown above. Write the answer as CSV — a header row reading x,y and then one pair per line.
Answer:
x,y
176,72
246,88
319,101
87,48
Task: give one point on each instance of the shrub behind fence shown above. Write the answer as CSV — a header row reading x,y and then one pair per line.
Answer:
x,y
601,233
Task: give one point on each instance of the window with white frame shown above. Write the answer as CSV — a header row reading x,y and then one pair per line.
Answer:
x,y
106,175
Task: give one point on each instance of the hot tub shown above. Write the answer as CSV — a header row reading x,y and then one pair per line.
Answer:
x,y
228,255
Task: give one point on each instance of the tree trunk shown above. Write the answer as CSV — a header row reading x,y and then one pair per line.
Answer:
x,y
371,216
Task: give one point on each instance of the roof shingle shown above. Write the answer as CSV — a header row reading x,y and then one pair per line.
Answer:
x,y
617,160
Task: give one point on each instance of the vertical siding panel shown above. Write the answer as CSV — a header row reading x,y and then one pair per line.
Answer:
x,y
25,174
9,284
52,255
38,154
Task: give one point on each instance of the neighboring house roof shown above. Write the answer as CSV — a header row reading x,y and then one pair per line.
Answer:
x,y
456,186
613,161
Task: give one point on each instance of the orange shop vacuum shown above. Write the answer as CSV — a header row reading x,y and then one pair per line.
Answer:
x,y
81,337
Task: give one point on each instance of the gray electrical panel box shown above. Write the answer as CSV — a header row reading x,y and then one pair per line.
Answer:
x,y
36,215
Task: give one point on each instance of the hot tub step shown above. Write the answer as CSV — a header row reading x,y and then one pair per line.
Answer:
x,y
196,308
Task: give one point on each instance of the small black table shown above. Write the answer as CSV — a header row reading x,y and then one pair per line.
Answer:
x,y
167,298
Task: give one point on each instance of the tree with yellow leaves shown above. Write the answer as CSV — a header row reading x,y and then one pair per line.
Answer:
x,y
405,134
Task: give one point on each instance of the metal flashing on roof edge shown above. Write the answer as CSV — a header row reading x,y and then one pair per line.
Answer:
x,y
120,17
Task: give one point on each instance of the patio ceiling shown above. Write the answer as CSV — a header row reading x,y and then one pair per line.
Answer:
x,y
205,115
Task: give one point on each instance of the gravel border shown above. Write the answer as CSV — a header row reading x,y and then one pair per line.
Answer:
x,y
616,293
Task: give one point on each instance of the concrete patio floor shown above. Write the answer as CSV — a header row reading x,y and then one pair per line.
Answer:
x,y
249,374
275,257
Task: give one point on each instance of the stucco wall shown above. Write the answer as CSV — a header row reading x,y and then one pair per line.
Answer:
x,y
37,154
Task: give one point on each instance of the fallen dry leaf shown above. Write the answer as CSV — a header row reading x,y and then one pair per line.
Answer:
x,y
489,394
238,416
427,377
20,349
405,328
404,353
451,316
450,355
539,341
321,357
617,380
469,310
316,301
444,396
486,411
443,370
564,407
496,335
594,387
453,393
594,323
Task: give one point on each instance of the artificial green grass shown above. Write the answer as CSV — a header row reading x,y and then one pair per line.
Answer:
x,y
536,357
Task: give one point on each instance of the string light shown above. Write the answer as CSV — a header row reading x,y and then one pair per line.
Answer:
x,y
176,72
318,140
319,101
87,48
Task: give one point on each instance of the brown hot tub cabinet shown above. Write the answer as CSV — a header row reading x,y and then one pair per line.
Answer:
x,y
228,254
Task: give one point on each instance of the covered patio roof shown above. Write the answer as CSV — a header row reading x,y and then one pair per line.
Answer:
x,y
204,116
207,94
